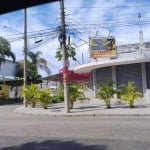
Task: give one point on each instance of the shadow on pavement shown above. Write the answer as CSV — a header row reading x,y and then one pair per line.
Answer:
x,y
55,145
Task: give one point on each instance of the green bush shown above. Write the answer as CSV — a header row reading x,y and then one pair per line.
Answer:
x,y
106,92
129,93
75,93
44,97
30,93
57,98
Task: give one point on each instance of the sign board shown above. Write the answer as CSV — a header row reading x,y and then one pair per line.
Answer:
x,y
102,47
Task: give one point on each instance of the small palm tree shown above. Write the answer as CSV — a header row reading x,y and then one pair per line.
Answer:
x,y
44,97
129,93
75,92
30,92
106,92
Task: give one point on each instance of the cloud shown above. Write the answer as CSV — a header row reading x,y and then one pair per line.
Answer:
x,y
84,18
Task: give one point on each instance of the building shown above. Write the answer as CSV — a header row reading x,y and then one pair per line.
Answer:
x,y
7,72
131,63
7,69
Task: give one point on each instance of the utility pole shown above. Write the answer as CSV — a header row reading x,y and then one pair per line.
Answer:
x,y
65,66
25,54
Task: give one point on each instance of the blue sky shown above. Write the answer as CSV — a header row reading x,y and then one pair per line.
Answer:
x,y
84,18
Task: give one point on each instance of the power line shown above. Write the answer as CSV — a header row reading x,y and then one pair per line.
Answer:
x,y
109,7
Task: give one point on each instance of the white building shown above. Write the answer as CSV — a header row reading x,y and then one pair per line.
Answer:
x,y
131,63
7,71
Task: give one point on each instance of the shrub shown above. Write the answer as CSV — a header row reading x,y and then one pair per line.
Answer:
x,y
129,93
44,97
30,93
57,98
105,92
75,92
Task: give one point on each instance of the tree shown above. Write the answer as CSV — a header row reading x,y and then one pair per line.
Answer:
x,y
5,50
19,69
33,62
70,53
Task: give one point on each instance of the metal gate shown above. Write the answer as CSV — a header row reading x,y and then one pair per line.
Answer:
x,y
103,74
131,72
147,65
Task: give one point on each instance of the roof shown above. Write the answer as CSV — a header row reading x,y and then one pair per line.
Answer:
x,y
54,77
72,77
13,5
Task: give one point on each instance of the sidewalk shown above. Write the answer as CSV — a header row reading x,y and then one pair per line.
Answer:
x,y
89,108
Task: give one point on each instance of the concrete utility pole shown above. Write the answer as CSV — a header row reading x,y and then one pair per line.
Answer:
x,y
65,66
25,53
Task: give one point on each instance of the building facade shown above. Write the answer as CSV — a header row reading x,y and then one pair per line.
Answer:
x,y
131,63
8,71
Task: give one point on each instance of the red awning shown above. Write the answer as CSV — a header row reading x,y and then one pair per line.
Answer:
x,y
72,76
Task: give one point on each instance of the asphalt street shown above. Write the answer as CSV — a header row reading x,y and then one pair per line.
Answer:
x,y
25,132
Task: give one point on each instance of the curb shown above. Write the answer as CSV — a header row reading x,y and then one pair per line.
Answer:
x,y
28,111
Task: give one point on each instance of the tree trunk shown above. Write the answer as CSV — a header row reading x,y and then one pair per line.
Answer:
x,y
108,106
33,104
71,104
25,103
45,107
131,104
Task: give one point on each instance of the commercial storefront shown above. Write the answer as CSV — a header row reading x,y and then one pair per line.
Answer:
x,y
131,63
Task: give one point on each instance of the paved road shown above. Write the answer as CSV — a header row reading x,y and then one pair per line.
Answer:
x,y
23,132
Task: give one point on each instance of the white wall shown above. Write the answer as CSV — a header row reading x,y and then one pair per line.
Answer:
x,y
8,68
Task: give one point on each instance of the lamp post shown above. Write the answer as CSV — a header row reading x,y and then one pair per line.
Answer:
x,y
25,54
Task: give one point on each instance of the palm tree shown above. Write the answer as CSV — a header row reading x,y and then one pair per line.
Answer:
x,y
106,92
5,50
129,93
75,92
33,63
19,69
34,56
37,61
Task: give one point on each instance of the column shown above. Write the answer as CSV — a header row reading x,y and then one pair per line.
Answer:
x,y
94,84
144,79
114,79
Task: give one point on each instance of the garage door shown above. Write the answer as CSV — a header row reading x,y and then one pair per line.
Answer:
x,y
148,74
127,73
103,74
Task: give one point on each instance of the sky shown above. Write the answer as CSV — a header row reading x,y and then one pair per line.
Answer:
x,y
84,18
